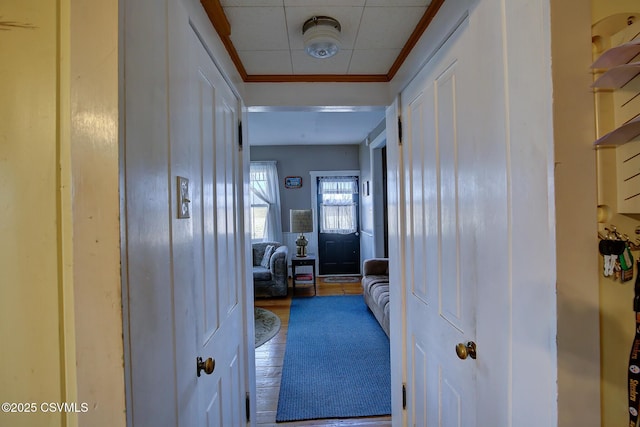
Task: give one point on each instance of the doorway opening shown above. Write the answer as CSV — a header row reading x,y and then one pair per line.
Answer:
x,y
324,191
380,199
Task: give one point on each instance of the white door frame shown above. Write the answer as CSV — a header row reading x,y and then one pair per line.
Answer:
x,y
397,317
375,166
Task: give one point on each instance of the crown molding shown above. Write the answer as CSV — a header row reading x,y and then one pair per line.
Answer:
x,y
316,78
218,19
426,19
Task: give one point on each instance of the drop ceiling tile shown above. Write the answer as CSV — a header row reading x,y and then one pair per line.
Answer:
x,y
305,64
387,27
372,61
396,3
245,3
323,3
266,61
349,18
258,28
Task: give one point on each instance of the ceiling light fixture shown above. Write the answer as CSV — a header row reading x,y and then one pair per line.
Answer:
x,y
321,36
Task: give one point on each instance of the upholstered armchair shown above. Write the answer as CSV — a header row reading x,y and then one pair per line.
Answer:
x,y
270,272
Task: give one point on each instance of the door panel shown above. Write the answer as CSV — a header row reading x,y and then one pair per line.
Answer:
x,y
339,254
419,375
208,314
214,409
447,143
451,402
441,295
209,317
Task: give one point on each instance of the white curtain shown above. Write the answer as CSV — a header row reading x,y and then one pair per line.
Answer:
x,y
264,185
338,209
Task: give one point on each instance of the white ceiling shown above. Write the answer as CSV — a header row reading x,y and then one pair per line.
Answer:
x,y
295,127
267,34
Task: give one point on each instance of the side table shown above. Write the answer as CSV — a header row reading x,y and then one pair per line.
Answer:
x,y
298,261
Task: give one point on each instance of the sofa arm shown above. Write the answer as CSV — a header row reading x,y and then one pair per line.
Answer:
x,y
375,267
278,263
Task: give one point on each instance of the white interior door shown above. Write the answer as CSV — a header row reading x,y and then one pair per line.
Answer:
x,y
478,228
208,266
439,193
218,309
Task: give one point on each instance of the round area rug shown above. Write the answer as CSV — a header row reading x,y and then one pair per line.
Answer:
x,y
267,325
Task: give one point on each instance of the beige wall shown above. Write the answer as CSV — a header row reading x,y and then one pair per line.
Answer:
x,y
94,143
577,256
60,309
617,317
593,360
31,368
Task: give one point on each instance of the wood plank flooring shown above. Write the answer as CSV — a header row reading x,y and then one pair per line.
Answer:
x,y
270,357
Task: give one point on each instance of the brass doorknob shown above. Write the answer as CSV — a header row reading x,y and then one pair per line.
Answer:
x,y
207,366
466,350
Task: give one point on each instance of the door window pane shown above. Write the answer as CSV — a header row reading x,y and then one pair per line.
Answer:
x,y
338,209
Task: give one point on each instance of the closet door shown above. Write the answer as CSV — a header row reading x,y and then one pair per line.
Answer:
x,y
440,265
208,259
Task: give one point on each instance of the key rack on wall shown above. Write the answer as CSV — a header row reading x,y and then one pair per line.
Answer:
x,y
612,233
616,247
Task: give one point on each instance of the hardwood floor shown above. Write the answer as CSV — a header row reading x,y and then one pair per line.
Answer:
x,y
270,357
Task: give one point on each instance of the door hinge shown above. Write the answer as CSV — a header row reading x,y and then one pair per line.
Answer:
x,y
248,407
399,130
404,396
240,135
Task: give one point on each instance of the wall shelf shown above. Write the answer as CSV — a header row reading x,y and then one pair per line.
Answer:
x,y
618,76
620,135
618,55
620,73
623,72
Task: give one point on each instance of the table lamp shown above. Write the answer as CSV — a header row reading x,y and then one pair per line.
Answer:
x,y
301,221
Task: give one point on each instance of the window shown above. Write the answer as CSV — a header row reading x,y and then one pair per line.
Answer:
x,y
259,211
266,224
338,205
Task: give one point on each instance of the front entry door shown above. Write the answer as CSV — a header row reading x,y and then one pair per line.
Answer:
x,y
338,225
440,263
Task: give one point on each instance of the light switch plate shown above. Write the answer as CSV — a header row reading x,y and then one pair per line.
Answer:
x,y
184,199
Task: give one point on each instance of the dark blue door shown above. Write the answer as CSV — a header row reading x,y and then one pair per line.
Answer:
x,y
338,225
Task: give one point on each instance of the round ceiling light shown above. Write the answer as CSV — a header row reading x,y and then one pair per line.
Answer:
x,y
321,36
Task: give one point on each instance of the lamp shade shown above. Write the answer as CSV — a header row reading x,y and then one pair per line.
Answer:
x,y
301,220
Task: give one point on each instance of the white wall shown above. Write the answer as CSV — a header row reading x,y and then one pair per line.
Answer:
x,y
371,205
529,104
367,242
317,94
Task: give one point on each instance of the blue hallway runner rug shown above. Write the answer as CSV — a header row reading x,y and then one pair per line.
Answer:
x,y
336,362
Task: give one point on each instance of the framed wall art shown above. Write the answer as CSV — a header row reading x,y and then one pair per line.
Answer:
x,y
293,182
